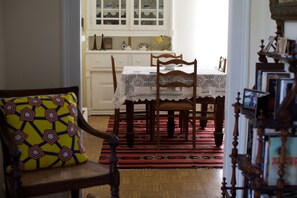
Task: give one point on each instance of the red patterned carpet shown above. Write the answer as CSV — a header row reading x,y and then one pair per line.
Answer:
x,y
175,152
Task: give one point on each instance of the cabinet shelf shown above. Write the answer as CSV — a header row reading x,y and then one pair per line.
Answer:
x,y
268,122
290,59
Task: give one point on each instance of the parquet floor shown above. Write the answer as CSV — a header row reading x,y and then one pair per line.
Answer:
x,y
154,183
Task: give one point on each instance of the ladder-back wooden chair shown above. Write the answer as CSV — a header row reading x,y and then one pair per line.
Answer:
x,y
120,114
169,82
42,144
164,57
222,64
208,107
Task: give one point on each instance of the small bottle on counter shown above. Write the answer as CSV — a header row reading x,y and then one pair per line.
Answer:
x,y
102,42
94,43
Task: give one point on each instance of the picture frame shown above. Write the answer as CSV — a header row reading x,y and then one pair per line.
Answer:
x,y
261,67
269,79
222,64
269,44
283,86
107,43
283,10
291,47
255,101
281,45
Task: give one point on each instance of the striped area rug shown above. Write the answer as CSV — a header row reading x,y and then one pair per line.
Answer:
x,y
174,152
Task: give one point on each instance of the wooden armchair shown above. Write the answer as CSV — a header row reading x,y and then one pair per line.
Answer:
x,y
42,169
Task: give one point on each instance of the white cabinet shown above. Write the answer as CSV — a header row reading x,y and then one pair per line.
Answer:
x,y
120,17
108,14
148,14
140,59
99,76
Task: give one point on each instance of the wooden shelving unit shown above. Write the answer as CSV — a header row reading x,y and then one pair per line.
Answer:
x,y
253,172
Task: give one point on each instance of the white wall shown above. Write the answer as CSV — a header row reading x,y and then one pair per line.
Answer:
x,y
261,27
42,45
2,85
201,30
2,46
291,29
34,43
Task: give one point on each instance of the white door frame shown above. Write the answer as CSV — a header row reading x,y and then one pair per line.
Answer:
x,y
71,44
238,77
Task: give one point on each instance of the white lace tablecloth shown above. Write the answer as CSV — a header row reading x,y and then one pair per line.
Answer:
x,y
139,83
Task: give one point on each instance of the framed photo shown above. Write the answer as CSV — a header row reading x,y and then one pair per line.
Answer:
x,y
222,64
255,101
269,85
269,44
291,47
281,45
107,43
261,67
283,86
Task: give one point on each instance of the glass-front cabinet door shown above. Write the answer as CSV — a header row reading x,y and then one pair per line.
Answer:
x,y
148,13
129,16
112,13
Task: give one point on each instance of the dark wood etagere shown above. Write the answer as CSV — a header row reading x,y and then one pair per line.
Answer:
x,y
284,122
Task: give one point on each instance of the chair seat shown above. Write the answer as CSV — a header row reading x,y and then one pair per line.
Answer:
x,y
61,178
176,105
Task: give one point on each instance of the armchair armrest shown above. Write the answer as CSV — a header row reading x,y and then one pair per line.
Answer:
x,y
112,139
82,123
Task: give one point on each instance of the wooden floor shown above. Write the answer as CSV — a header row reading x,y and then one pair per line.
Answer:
x,y
154,183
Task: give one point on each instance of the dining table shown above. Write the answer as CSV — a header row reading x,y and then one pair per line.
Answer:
x,y
138,83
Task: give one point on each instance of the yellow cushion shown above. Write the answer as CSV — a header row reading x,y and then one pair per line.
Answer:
x,y
45,129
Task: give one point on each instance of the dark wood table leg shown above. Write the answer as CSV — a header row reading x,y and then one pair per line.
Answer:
x,y
170,124
203,122
219,120
129,119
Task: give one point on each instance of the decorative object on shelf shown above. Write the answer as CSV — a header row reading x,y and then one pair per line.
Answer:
x,y
283,86
272,161
269,44
281,45
291,47
128,47
107,43
262,67
268,84
102,43
143,46
124,45
95,43
163,42
255,101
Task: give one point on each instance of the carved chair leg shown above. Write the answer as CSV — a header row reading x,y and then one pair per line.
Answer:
x,y
75,193
115,186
